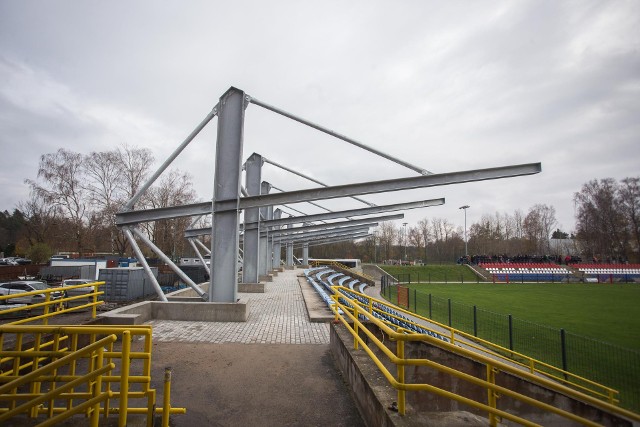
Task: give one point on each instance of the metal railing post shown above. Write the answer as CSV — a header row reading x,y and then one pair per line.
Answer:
x,y
401,392
491,395
124,379
166,398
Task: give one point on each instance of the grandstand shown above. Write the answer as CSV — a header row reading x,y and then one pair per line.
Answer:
x,y
528,272
609,273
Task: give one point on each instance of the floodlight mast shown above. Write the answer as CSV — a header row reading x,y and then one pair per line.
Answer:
x,y
465,207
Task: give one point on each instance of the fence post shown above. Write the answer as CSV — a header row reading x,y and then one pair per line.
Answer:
x,y
415,300
445,277
430,316
449,302
429,277
563,349
510,332
475,321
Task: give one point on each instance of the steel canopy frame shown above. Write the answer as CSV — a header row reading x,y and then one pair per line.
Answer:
x,y
347,190
228,202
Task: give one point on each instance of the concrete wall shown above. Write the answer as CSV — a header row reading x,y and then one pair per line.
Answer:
x,y
373,394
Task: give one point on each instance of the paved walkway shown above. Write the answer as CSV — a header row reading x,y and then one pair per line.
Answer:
x,y
276,369
278,316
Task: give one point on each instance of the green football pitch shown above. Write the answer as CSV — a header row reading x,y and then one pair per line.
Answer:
x,y
605,312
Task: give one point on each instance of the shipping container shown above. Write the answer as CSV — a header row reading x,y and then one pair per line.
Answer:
x,y
125,284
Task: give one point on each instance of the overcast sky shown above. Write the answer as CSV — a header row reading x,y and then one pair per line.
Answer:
x,y
448,86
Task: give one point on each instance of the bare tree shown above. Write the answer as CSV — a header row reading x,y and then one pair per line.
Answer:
x,y
63,176
41,218
388,235
629,197
600,223
425,231
174,188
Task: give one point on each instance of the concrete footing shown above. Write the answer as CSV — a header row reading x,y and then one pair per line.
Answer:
x,y
265,278
145,311
252,288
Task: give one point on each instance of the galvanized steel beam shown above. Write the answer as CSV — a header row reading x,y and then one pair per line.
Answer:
x,y
350,213
129,205
339,136
140,257
383,186
312,227
169,263
310,179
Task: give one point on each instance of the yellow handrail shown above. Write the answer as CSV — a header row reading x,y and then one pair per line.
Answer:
x,y
99,364
354,309
607,393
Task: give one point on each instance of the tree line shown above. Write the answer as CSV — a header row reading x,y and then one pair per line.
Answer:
x,y
74,198
607,230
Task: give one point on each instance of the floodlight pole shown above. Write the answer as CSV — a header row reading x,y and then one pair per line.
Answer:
x,y
404,224
465,207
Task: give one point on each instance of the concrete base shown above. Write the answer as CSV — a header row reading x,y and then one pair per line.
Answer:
x,y
274,273
265,278
253,288
137,314
289,267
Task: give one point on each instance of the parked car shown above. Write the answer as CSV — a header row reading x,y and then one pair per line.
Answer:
x,y
22,286
75,282
78,291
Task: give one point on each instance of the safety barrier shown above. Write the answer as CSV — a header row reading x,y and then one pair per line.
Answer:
x,y
57,372
352,312
52,305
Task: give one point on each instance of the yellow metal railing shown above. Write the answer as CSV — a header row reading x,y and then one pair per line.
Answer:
x,y
342,266
55,372
52,306
353,309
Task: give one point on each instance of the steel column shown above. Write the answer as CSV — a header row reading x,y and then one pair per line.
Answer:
x,y
277,247
269,254
250,266
263,250
289,252
305,254
225,242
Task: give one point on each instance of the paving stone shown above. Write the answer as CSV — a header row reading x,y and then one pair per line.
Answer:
x,y
277,316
